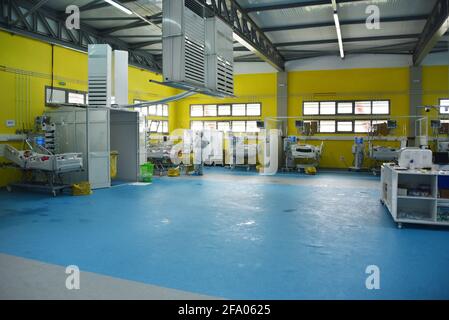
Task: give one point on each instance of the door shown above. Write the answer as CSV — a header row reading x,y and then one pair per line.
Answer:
x,y
98,146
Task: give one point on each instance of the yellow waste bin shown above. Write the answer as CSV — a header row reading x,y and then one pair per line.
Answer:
x,y
114,159
81,189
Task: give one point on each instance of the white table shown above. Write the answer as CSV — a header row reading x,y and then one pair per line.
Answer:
x,y
412,209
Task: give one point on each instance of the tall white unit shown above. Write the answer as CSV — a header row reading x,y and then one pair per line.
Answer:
x,y
100,75
183,43
219,56
120,86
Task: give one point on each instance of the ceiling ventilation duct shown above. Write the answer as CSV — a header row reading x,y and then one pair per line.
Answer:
x,y
183,43
197,49
219,56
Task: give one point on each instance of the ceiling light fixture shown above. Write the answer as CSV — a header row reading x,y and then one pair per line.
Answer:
x,y
119,6
340,39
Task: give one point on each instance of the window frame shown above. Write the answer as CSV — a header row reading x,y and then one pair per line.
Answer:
x,y
160,124
202,109
320,114
66,96
439,104
231,114
348,121
345,114
327,114
210,105
327,120
224,105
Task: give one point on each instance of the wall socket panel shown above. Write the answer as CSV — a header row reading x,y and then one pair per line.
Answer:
x,y
10,123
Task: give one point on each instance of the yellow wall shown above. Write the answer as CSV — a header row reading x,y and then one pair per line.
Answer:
x,y
70,68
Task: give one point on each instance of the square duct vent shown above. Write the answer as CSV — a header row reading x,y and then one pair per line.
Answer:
x,y
183,43
219,55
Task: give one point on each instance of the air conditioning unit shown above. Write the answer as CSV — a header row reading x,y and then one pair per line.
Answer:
x,y
100,75
219,56
183,43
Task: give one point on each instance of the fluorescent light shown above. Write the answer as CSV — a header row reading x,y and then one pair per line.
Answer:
x,y
340,40
334,5
119,6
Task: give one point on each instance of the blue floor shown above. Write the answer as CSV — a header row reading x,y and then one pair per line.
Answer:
x,y
234,239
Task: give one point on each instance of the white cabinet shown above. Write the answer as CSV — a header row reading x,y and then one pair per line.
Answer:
x,y
412,196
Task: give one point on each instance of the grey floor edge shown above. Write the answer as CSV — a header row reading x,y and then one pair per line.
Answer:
x,y
27,279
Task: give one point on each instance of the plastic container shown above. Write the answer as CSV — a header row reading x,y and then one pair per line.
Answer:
x,y
81,189
114,160
174,172
146,172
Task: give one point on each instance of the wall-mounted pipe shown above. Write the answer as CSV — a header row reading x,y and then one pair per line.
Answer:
x,y
161,101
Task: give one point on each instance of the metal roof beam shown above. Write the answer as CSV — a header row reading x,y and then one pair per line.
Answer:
x,y
347,22
295,5
144,44
362,39
437,25
30,11
130,25
245,30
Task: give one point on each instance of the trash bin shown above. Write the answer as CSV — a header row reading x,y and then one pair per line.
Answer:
x,y
81,189
174,172
114,160
146,172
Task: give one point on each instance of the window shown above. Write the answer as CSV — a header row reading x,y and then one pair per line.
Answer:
x,y
344,108
362,126
159,110
224,110
210,110
76,98
158,126
196,111
344,126
210,125
55,96
381,107
251,126
327,126
196,125
154,125
238,126
359,108
224,126
253,109
444,106
362,107
64,96
311,108
152,110
143,111
238,110
327,108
